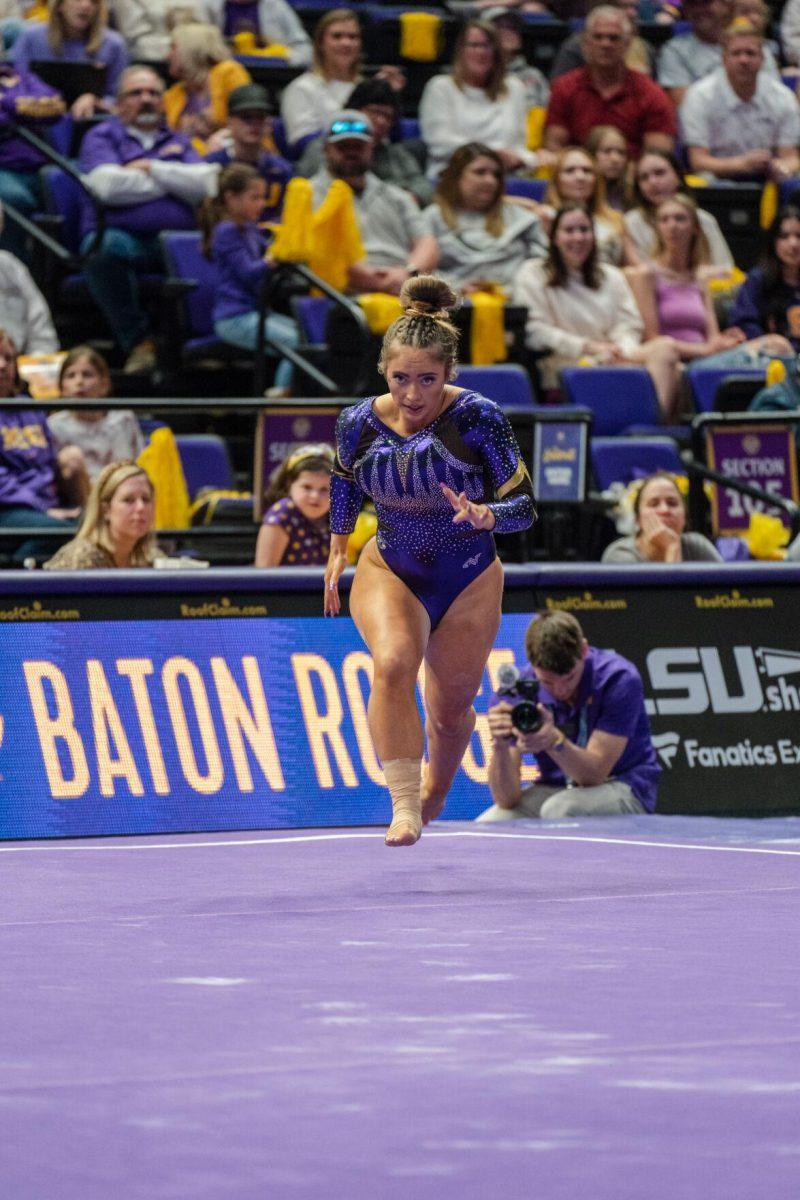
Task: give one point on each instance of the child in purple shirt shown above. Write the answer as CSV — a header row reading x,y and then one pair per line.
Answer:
x,y
237,247
295,532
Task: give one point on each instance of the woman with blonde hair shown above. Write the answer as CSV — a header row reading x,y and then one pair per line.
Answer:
x,y
443,468
479,101
673,294
75,31
610,152
577,180
197,104
117,525
312,99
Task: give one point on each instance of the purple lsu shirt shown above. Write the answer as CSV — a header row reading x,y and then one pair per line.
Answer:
x,y
610,698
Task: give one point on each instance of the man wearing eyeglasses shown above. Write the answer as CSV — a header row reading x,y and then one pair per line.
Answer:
x,y
389,221
150,179
607,92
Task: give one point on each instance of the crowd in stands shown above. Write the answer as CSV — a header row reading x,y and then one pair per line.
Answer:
x,y
577,198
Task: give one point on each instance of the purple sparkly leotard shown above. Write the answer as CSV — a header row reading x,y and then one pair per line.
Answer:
x,y
471,448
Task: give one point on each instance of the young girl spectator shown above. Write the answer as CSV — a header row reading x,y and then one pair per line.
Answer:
x,y
479,101
580,308
295,530
104,436
40,488
661,533
311,100
483,238
205,74
610,152
658,177
117,525
75,31
577,180
768,302
238,248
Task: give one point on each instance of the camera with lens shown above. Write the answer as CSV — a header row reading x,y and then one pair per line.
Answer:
x,y
523,694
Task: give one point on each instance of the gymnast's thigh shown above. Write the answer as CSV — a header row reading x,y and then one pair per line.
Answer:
x,y
386,612
459,646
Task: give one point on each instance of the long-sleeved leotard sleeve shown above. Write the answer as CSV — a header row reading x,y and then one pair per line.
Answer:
x,y
346,495
485,428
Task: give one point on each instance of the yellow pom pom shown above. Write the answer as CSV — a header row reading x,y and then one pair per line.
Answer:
x,y
776,371
766,537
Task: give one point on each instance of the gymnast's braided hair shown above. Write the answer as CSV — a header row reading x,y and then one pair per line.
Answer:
x,y
425,322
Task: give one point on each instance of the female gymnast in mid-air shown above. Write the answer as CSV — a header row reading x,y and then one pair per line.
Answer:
x,y
444,471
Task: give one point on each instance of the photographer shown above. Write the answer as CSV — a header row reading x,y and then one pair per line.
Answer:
x,y
585,723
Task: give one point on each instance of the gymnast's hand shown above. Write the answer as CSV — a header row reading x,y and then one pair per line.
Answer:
x,y
337,561
479,516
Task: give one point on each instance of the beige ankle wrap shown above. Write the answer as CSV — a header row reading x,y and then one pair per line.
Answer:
x,y
404,779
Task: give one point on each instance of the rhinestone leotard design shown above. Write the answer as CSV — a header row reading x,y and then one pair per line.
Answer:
x,y
471,448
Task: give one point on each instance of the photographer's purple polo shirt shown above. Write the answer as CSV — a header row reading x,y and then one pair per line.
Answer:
x,y
610,698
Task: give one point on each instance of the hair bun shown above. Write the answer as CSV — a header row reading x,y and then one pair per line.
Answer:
x,y
427,296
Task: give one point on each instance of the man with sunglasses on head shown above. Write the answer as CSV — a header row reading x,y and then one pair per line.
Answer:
x,y
389,220
591,739
150,179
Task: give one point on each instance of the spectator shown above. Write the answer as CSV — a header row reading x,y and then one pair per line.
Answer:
x,y
75,31
576,179
661,528
197,104
607,92
117,525
102,435
238,248
309,102
479,101
26,317
688,57
593,747
674,297
391,226
658,177
249,127
392,162
39,488
738,123
768,302
295,530
508,24
610,153
484,237
581,309
640,55
790,31
273,21
147,25
150,179
25,100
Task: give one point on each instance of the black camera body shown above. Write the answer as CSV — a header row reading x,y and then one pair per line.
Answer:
x,y
523,694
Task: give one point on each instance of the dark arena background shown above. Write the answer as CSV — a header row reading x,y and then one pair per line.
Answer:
x,y
248,995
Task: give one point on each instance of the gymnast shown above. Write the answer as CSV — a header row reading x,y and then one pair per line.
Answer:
x,y
443,469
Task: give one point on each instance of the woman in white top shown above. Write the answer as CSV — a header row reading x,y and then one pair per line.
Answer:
x,y
577,180
479,101
581,309
657,178
313,99
484,237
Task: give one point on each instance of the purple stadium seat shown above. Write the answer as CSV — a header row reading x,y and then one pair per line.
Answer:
x,y
623,459
508,384
205,461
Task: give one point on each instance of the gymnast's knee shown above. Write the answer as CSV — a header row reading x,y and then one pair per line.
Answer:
x,y
396,668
